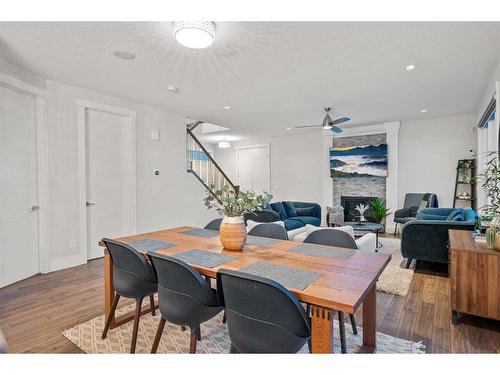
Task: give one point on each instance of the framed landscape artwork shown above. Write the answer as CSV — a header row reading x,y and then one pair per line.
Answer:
x,y
359,161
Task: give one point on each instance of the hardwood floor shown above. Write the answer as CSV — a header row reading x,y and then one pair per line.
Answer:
x,y
34,312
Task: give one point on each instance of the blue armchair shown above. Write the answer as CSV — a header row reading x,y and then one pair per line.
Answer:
x,y
295,215
426,238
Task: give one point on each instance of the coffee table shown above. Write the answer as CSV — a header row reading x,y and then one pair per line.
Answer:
x,y
363,227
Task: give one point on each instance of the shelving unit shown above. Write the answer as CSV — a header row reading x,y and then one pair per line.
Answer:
x,y
465,185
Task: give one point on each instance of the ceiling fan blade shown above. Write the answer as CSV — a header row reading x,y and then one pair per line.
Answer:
x,y
339,121
336,129
306,126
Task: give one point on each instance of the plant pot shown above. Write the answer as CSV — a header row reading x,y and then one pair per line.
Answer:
x,y
491,238
233,233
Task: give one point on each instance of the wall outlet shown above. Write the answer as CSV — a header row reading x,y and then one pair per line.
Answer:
x,y
72,244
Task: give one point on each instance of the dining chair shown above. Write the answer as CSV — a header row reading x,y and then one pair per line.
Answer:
x,y
337,238
269,230
262,315
133,277
184,296
214,224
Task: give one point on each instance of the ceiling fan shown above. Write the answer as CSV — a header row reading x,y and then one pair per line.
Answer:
x,y
328,123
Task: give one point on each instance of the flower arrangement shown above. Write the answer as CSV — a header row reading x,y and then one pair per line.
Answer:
x,y
231,204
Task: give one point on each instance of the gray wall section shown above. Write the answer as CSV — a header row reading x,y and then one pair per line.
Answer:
x,y
359,186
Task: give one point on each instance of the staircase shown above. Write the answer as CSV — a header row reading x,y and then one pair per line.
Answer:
x,y
201,164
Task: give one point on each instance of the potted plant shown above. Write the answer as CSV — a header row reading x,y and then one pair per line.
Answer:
x,y
379,210
233,206
490,181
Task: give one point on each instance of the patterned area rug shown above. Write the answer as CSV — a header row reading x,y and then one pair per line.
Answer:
x,y
395,279
215,338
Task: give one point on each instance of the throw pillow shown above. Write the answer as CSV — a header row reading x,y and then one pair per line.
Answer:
x,y
278,207
251,224
305,211
290,209
455,215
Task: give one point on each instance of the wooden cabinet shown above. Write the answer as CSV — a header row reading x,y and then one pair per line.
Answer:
x,y
475,277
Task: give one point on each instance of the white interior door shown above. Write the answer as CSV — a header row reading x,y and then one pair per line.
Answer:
x,y
108,177
18,187
254,169
261,178
245,168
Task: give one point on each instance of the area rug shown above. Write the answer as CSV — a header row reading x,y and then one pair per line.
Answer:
x,y
395,279
215,338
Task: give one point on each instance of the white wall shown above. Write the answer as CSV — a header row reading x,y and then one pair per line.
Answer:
x,y
171,199
428,154
296,165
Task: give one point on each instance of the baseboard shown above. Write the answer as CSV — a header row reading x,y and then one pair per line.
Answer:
x,y
66,262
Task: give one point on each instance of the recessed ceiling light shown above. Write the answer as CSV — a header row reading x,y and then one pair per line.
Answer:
x,y
224,144
124,55
288,128
194,34
423,110
410,67
227,107
173,89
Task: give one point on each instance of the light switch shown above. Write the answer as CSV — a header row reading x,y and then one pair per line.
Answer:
x,y
154,134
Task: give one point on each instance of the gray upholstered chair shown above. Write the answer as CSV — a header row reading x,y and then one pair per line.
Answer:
x,y
269,230
337,238
214,224
413,202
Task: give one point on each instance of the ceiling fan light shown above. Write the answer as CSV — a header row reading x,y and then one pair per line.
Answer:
x,y
194,34
327,127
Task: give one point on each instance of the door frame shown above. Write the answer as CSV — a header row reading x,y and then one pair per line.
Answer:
x,y
261,145
42,170
130,141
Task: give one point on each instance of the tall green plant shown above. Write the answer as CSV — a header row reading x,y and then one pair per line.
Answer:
x,y
490,181
379,211
228,203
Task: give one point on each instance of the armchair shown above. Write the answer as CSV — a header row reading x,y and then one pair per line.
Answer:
x,y
426,237
413,202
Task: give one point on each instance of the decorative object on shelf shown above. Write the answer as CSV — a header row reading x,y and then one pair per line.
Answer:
x,y
362,208
490,182
233,206
379,210
465,181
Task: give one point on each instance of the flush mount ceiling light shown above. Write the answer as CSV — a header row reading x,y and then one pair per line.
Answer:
x,y
423,110
227,107
194,34
124,55
410,67
224,144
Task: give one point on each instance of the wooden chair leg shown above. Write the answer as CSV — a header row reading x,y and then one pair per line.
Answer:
x,y
224,318
110,316
343,345
159,331
353,324
152,304
232,350
395,229
137,317
408,263
192,342
198,333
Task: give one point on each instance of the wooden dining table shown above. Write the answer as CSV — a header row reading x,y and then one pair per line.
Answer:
x,y
344,285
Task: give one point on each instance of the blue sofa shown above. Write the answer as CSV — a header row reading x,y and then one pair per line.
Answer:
x,y
426,238
295,215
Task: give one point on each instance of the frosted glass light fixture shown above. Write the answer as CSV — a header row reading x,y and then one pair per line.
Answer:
x,y
194,34
224,144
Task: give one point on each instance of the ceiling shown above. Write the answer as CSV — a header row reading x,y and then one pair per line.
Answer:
x,y
273,74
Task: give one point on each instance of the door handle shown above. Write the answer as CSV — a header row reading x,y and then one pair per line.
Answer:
x,y
34,208
90,204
